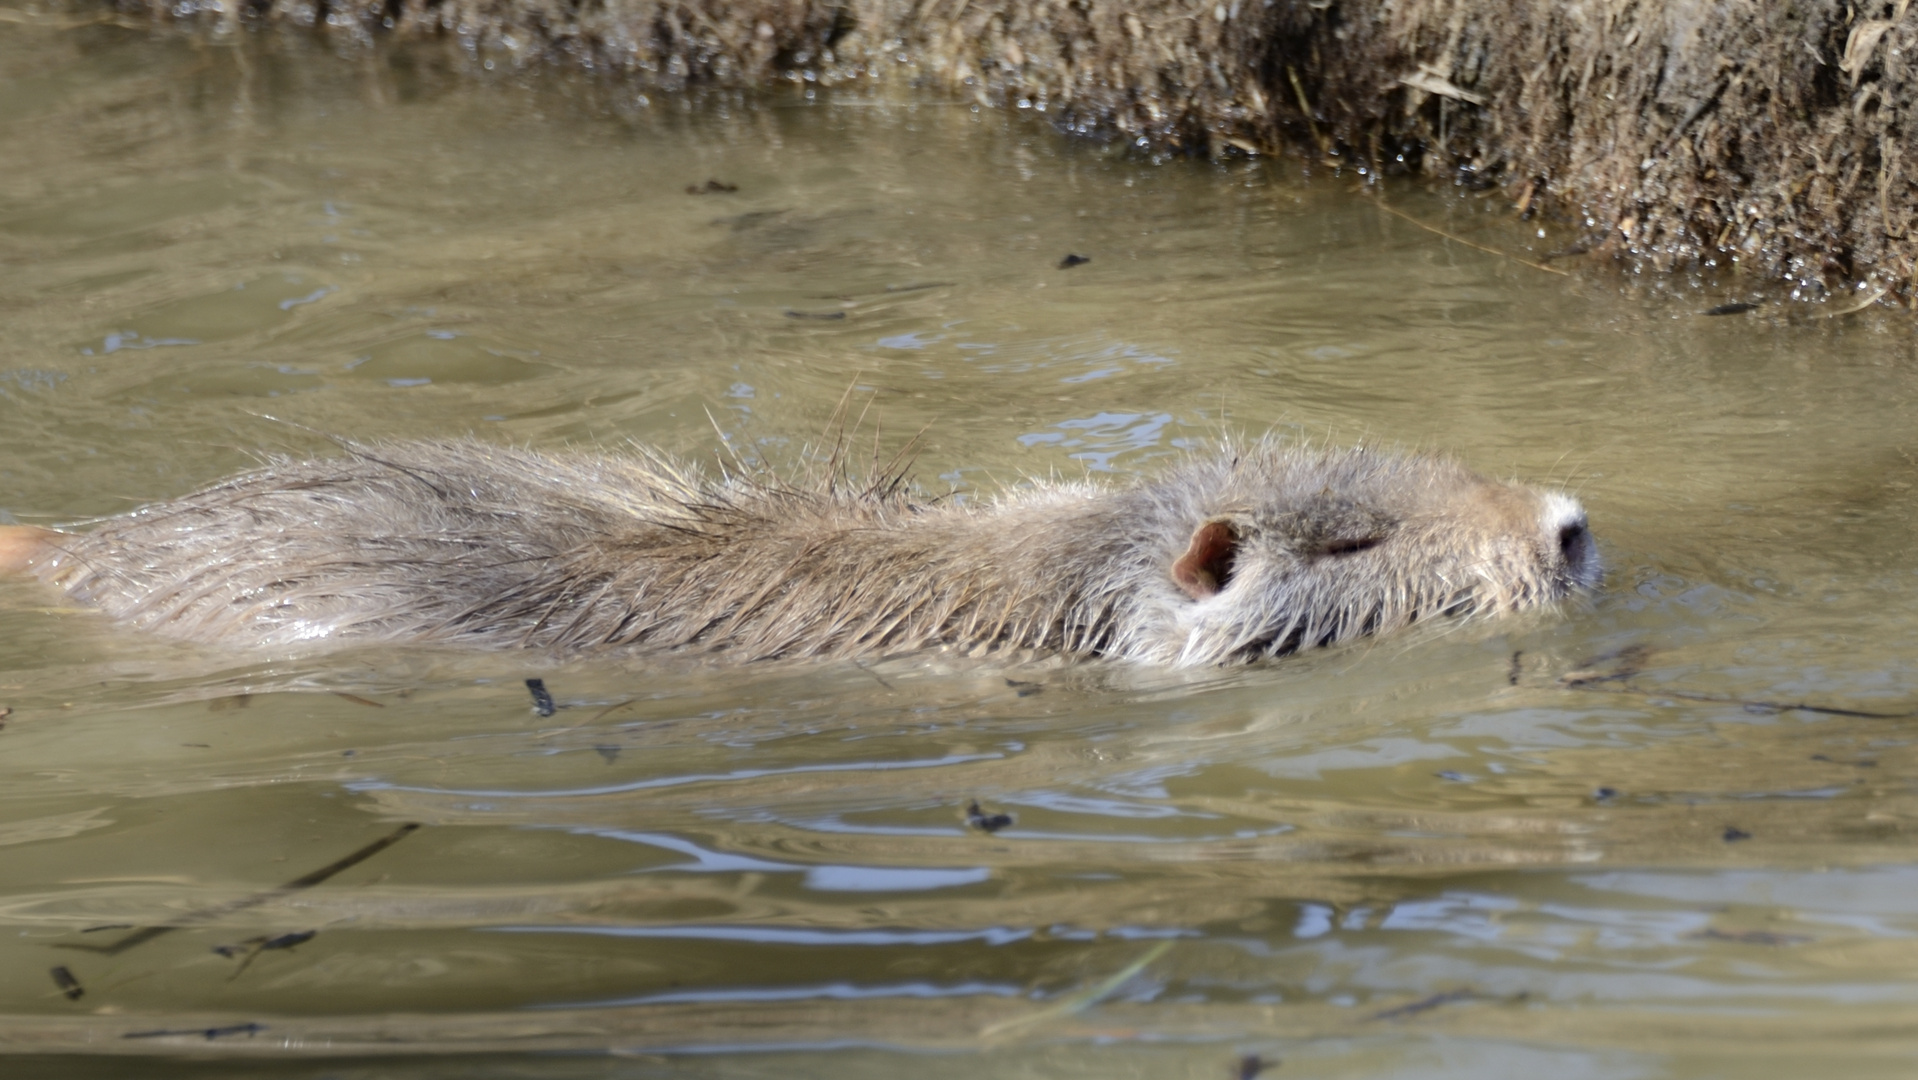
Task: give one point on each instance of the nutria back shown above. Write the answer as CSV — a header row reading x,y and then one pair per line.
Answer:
x,y
1250,552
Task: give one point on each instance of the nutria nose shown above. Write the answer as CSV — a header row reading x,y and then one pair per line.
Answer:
x,y
1564,521
1568,538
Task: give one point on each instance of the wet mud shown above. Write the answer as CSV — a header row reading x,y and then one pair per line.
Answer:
x,y
1668,135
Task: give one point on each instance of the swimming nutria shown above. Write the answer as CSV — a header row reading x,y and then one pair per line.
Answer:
x,y
1249,552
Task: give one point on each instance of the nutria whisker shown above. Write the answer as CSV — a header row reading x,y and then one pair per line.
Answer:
x,y
1253,551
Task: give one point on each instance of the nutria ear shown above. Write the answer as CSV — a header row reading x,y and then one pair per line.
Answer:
x,y
1207,564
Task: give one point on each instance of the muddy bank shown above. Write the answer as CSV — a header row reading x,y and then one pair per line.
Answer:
x,y
1666,133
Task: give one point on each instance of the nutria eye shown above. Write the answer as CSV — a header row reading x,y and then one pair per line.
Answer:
x,y
1352,544
1568,538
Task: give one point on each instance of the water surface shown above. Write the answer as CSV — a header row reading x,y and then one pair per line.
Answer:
x,y
1428,856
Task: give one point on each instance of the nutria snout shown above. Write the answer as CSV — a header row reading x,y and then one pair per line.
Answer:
x,y
1250,552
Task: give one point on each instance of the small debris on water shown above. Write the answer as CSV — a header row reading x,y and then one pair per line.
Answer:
x,y
358,700
607,751
1579,248
1423,1005
1071,261
1733,834
748,220
257,944
542,700
1605,793
1735,308
1453,775
229,703
609,710
1025,689
209,1034
711,187
253,947
1517,669
288,940
917,286
1250,1066
1750,937
68,984
1608,667
1861,763
983,821
790,314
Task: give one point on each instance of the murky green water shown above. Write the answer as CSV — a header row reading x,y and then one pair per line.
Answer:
x,y
1423,858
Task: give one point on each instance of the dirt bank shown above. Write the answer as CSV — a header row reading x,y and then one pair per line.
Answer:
x,y
1769,134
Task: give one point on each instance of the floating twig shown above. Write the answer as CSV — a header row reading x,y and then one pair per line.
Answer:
x,y
1603,685
1082,1000
209,1034
1026,689
219,911
1750,937
1425,1004
1871,298
253,947
608,711
1457,239
888,290
876,677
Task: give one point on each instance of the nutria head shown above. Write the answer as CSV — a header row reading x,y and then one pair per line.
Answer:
x,y
1290,549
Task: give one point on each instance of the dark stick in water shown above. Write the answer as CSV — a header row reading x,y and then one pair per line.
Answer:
x,y
1602,685
1425,1004
209,1034
219,911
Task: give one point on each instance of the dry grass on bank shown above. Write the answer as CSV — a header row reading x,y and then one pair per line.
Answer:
x,y
1766,133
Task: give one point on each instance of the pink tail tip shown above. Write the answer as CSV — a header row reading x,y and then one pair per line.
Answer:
x,y
23,545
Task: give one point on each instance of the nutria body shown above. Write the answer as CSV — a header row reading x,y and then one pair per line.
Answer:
x,y
1251,552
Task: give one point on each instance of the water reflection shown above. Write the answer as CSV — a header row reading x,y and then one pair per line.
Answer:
x,y
1426,856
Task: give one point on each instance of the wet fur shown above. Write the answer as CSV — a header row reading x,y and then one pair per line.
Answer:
x,y
1254,551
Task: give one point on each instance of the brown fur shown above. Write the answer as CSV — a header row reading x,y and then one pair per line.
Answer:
x,y
1252,552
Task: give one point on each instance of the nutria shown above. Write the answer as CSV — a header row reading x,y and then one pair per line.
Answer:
x,y
1249,552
